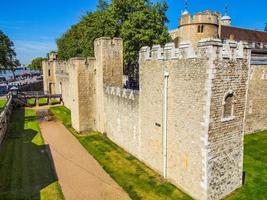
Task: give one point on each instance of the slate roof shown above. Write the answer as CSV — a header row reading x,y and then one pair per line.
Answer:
x,y
241,34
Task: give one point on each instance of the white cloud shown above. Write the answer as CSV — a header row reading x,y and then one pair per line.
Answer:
x,y
27,50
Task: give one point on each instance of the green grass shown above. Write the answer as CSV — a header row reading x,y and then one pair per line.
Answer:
x,y
31,102
43,101
3,103
26,170
142,183
63,114
55,101
255,167
135,177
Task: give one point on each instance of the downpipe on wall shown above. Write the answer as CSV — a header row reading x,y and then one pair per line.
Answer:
x,y
164,136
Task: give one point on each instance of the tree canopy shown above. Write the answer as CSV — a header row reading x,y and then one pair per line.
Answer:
x,y
138,22
7,52
36,63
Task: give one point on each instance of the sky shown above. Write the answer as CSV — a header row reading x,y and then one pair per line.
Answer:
x,y
34,25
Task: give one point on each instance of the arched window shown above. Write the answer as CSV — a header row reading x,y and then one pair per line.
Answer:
x,y
228,105
49,73
200,28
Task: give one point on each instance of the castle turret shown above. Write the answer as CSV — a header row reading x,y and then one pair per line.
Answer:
x,y
201,25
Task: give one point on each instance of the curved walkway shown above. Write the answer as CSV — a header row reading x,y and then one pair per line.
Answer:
x,y
79,174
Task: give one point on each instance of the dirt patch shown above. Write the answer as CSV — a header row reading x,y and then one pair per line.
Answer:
x,y
79,174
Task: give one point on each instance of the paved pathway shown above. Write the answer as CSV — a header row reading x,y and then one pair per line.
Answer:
x,y
79,174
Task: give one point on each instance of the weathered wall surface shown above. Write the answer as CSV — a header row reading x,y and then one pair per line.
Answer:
x,y
225,141
211,166
256,113
186,100
122,116
76,81
188,28
63,84
86,94
4,118
49,76
109,71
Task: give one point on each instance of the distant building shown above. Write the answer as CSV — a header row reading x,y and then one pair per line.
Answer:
x,y
209,24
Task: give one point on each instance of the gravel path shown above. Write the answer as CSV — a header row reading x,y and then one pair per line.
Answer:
x,y
79,174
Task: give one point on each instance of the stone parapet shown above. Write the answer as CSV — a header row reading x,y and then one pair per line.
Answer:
x,y
122,92
207,48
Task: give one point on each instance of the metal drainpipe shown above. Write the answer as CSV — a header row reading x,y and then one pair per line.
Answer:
x,y
165,107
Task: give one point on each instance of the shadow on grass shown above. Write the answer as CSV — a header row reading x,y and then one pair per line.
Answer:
x,y
26,166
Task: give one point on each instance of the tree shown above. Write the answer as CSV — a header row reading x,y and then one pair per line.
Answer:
x,y
144,27
7,54
36,63
102,5
79,39
138,22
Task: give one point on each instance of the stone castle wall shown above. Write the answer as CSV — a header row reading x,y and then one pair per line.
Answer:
x,y
122,117
225,141
256,113
186,100
62,82
4,118
49,76
198,83
204,150
108,72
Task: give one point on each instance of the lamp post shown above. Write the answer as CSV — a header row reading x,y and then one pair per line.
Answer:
x,y
164,135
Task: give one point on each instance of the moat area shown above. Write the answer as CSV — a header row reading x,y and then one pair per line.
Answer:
x,y
36,166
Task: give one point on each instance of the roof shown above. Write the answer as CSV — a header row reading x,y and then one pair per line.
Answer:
x,y
226,17
241,34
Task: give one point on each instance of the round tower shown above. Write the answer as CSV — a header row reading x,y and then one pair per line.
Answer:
x,y
199,26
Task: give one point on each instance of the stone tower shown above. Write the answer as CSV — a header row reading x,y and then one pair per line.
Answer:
x,y
200,108
194,28
108,71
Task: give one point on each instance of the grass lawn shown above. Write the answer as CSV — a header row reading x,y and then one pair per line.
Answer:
x,y
26,170
135,177
3,103
31,102
55,101
43,101
255,166
142,183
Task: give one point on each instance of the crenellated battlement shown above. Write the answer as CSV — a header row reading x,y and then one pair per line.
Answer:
x,y
207,48
122,92
183,90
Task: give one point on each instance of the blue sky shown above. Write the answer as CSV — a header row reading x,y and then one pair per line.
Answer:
x,y
34,25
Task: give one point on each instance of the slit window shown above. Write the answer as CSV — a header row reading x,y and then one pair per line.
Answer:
x,y
200,28
49,73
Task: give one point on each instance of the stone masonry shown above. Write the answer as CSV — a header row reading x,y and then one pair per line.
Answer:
x,y
256,112
183,90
